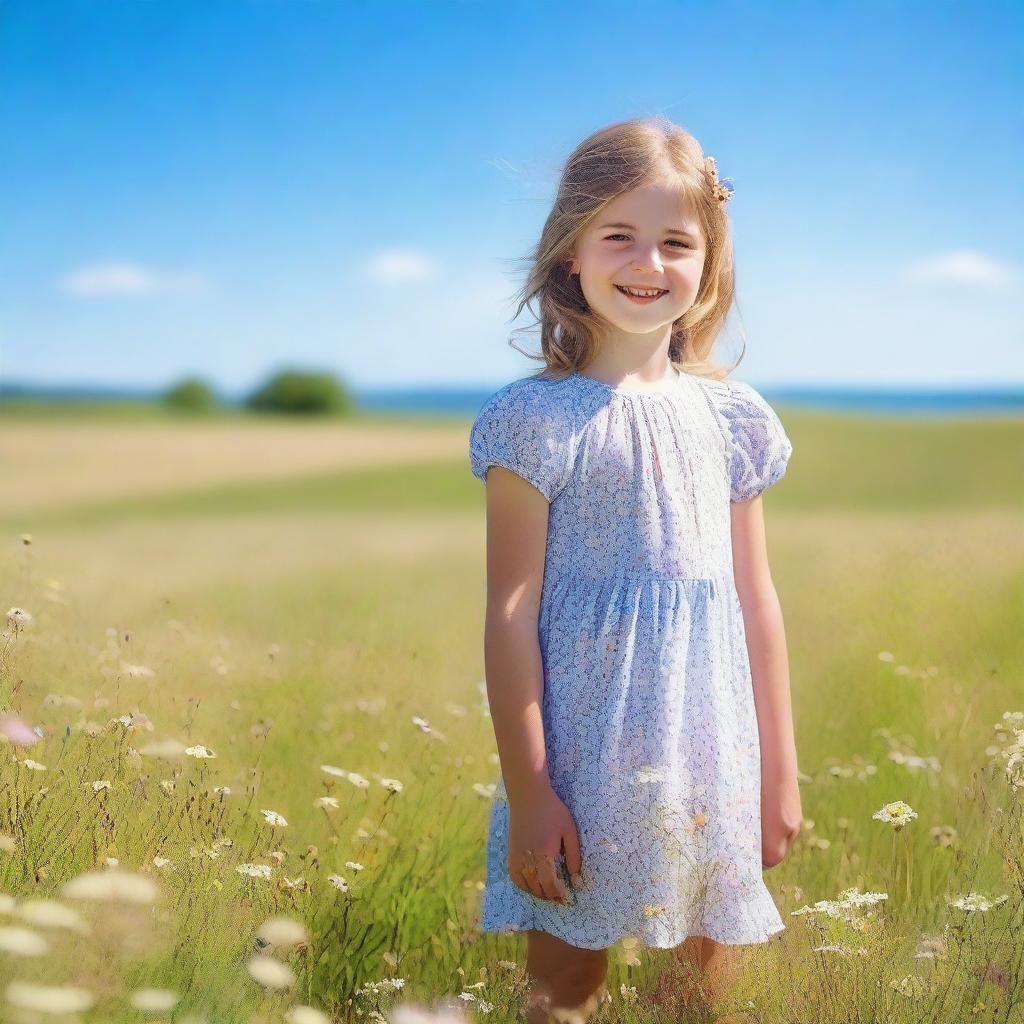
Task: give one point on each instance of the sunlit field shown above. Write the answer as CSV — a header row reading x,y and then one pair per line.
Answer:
x,y
251,653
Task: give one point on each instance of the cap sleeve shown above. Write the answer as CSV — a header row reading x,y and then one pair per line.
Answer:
x,y
759,448
522,428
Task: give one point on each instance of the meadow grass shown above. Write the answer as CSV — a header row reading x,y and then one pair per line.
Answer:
x,y
319,632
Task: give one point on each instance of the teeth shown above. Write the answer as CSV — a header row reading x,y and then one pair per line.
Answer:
x,y
642,293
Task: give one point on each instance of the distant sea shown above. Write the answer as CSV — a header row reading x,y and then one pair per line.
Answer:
x,y
461,401
466,401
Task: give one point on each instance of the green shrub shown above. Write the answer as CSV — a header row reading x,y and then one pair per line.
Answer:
x,y
192,394
298,391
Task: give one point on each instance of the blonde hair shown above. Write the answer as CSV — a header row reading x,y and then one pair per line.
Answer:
x,y
606,164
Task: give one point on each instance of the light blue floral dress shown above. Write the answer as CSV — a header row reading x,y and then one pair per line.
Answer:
x,y
648,709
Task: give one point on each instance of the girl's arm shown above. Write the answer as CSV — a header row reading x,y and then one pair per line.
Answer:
x,y
539,822
517,524
781,812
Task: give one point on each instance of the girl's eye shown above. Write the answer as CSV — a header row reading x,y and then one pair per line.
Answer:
x,y
611,238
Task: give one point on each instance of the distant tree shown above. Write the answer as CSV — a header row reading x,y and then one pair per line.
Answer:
x,y
191,394
299,391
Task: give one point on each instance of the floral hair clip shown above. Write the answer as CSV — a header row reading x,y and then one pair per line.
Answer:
x,y
723,191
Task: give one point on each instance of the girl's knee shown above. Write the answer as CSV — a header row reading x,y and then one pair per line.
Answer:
x,y
567,978
571,995
582,977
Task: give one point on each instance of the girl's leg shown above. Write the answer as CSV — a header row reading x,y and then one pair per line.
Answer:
x,y
702,975
678,989
568,982
721,965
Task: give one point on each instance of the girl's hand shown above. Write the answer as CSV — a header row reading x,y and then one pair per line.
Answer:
x,y
781,815
537,830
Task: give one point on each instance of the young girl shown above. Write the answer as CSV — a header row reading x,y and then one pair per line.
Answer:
x,y
635,656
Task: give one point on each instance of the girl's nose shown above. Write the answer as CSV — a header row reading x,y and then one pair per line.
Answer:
x,y
646,259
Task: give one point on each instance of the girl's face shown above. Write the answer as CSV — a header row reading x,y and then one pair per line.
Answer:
x,y
643,239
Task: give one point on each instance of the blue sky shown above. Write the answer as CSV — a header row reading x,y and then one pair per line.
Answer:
x,y
225,187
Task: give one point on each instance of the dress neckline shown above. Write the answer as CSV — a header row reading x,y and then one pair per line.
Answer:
x,y
671,388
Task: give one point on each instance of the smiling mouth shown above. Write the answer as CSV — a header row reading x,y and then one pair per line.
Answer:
x,y
642,294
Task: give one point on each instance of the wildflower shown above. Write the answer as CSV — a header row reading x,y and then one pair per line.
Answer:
x,y
101,784
55,999
163,862
338,882
34,765
331,770
932,947
975,901
154,1000
885,656
137,671
421,723
17,731
1012,750
995,973
914,761
306,1015
222,790
326,801
167,785
628,993
910,986
855,898
113,885
897,814
254,870
354,865
169,750
392,784
18,618
22,941
273,818
410,1013
199,751
50,914
282,931
844,908
270,973
357,780
943,835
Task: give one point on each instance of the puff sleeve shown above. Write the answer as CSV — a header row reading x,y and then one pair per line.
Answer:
x,y
522,428
759,449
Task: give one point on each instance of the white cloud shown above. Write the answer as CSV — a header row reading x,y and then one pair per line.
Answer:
x,y
394,266
963,266
125,279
